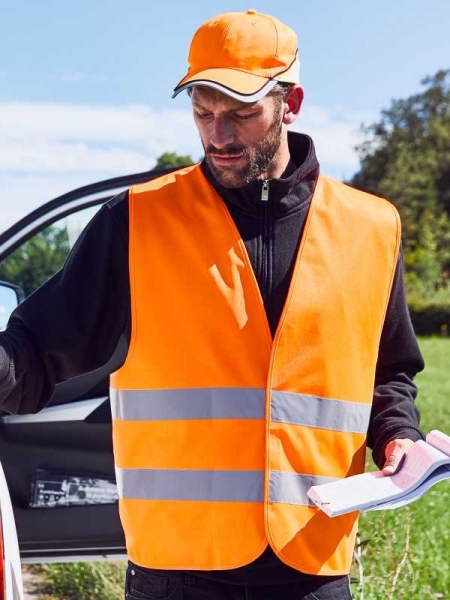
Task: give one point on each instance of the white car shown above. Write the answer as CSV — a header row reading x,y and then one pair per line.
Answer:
x,y
58,463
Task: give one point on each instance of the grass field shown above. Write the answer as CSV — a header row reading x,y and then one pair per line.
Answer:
x,y
403,554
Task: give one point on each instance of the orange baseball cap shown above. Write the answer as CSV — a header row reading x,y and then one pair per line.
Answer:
x,y
243,55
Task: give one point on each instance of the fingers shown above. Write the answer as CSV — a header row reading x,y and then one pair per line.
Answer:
x,y
395,453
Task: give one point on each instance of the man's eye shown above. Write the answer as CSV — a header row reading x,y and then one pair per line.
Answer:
x,y
202,115
243,117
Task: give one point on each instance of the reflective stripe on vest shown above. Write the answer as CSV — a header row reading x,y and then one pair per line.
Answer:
x,y
233,403
291,488
208,486
324,413
202,403
239,403
215,486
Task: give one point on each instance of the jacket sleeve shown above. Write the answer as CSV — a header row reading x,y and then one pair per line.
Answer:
x,y
394,414
72,323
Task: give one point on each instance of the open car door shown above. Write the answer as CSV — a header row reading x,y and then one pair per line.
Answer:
x,y
59,463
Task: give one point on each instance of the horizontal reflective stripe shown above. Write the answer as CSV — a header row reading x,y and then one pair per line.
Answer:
x,y
181,404
291,488
174,484
323,413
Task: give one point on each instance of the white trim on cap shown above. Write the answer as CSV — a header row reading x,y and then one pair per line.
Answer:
x,y
271,83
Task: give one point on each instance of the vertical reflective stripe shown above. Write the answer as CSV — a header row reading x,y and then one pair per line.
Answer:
x,y
184,404
174,484
323,413
291,488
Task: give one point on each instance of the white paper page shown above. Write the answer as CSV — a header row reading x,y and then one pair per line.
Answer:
x,y
417,464
441,473
440,440
360,492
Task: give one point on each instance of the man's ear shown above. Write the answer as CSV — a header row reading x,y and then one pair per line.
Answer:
x,y
293,104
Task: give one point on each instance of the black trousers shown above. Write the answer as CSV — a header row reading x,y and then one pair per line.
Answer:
x,y
142,585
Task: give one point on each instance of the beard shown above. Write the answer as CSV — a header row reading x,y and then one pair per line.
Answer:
x,y
257,159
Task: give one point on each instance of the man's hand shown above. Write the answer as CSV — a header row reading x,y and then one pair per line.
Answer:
x,y
394,452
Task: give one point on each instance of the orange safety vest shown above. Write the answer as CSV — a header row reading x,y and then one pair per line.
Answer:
x,y
218,430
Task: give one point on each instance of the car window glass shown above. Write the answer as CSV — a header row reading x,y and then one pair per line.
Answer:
x,y
42,255
8,301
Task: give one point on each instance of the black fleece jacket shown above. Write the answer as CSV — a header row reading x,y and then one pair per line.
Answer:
x,y
72,324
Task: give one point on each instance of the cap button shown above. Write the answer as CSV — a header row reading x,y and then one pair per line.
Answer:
x,y
252,11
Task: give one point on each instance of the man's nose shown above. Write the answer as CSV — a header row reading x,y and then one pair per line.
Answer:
x,y
222,133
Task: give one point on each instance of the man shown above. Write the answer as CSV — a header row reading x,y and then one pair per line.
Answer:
x,y
269,339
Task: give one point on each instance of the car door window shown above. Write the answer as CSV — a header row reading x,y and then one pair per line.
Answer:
x,y
8,301
42,255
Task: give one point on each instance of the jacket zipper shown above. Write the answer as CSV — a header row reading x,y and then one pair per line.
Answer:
x,y
265,190
265,243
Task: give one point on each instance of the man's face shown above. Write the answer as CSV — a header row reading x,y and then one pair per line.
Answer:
x,y
241,140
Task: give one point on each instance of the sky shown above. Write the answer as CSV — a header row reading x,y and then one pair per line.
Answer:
x,y
85,86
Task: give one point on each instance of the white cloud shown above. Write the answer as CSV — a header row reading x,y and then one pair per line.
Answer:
x,y
129,124
335,133
48,149
52,156
58,138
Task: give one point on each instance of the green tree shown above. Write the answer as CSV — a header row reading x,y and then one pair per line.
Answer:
x,y
36,260
405,157
172,159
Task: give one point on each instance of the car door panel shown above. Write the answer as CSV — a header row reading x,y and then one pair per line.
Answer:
x,y
69,447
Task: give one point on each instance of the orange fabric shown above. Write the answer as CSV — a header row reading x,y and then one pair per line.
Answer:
x,y
347,284
289,450
172,535
198,322
172,446
328,543
242,51
327,345
186,283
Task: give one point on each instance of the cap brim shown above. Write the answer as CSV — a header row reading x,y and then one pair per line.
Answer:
x,y
242,86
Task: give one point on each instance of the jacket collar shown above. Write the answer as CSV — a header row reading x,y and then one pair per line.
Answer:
x,y
289,191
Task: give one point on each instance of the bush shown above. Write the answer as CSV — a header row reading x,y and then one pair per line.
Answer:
x,y
431,319
76,581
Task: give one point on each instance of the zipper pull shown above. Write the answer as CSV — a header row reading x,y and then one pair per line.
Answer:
x,y
265,191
